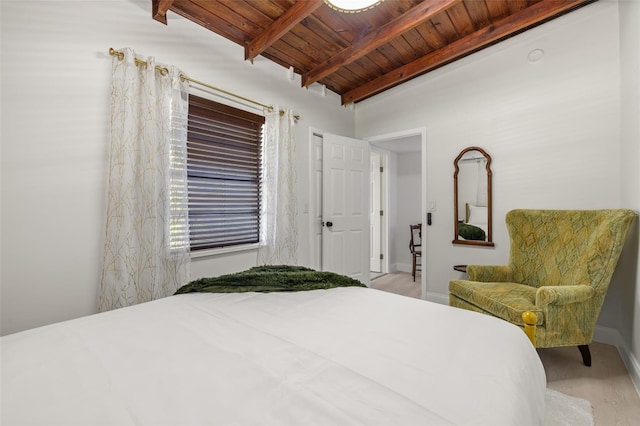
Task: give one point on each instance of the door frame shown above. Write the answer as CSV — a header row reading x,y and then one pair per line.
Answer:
x,y
377,195
384,206
315,255
422,133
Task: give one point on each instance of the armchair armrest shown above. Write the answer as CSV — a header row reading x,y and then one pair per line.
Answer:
x,y
489,273
561,295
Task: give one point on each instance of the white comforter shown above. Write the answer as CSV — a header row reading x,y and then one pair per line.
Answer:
x,y
324,357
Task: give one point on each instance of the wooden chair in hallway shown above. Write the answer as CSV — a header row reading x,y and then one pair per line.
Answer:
x,y
415,246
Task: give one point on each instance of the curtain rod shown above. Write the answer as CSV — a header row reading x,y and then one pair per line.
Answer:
x,y
165,71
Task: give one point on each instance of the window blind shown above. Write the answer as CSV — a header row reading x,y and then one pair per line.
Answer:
x,y
224,172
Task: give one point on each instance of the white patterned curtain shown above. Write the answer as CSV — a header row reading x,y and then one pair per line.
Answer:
x,y
279,211
146,251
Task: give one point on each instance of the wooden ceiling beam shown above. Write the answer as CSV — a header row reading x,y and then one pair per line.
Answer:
x,y
383,35
159,10
289,19
533,15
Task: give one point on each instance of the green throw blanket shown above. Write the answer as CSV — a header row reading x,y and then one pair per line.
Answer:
x,y
270,278
470,232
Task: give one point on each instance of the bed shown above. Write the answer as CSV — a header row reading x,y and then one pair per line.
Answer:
x,y
337,356
474,226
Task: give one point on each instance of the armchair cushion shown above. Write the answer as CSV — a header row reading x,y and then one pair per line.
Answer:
x,y
501,299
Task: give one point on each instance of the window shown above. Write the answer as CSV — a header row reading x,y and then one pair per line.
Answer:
x,y
224,172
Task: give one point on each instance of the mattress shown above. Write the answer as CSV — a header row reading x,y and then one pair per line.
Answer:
x,y
323,357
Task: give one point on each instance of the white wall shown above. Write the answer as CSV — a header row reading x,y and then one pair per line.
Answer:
x,y
552,127
627,287
55,126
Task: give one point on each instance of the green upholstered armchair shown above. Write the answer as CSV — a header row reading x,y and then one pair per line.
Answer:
x,y
560,266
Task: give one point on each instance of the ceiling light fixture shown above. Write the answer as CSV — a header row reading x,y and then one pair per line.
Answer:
x,y
352,6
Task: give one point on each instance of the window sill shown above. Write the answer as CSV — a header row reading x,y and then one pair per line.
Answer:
x,y
224,250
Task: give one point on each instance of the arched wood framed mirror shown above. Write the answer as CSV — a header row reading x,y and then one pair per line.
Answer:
x,y
472,198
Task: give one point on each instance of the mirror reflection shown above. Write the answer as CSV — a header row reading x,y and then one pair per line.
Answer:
x,y
472,197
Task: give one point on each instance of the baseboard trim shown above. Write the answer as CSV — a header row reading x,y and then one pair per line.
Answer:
x,y
403,267
611,336
437,298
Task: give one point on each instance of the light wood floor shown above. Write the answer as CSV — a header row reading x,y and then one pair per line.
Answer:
x,y
606,384
399,283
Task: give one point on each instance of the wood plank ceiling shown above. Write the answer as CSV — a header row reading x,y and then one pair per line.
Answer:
x,y
358,55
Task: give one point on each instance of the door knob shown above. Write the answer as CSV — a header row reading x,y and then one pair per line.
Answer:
x,y
329,224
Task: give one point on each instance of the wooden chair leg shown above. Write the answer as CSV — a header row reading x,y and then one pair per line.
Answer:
x,y
413,270
586,354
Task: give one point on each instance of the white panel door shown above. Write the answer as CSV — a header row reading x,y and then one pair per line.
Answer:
x,y
345,206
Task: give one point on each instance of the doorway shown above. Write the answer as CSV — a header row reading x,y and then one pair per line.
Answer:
x,y
402,199
389,146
